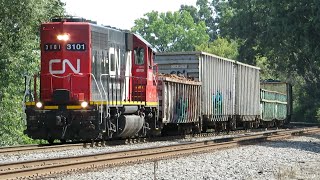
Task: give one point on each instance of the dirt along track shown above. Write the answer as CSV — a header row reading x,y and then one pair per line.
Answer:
x,y
49,167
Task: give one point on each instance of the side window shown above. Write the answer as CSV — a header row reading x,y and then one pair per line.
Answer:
x,y
139,56
149,59
113,58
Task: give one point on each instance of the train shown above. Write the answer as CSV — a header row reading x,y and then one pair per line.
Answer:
x,y
102,83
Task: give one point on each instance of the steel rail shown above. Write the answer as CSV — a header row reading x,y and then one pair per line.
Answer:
x,y
36,148
49,167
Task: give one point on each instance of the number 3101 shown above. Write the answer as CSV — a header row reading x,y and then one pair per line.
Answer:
x,y
76,47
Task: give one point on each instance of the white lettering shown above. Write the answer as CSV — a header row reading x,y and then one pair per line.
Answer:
x,y
63,70
114,61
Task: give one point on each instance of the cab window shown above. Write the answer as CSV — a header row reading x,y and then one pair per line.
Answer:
x,y
139,56
149,59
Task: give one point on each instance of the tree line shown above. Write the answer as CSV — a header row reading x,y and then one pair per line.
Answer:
x,y
281,37
19,56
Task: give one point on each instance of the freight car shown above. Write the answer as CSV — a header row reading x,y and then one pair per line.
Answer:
x,y
179,105
276,102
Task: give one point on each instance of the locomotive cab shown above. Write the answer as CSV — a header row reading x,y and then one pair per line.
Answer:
x,y
143,57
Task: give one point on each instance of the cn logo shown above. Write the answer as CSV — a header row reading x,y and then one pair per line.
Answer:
x,y
64,63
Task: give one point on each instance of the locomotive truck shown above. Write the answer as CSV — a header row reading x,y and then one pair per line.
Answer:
x,y
98,83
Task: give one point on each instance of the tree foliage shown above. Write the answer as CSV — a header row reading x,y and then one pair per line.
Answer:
x,y
19,47
171,31
203,12
286,33
279,36
221,47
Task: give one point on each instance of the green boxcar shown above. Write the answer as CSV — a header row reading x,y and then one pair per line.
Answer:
x,y
276,100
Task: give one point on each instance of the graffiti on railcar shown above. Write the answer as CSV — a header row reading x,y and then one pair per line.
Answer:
x,y
181,109
217,101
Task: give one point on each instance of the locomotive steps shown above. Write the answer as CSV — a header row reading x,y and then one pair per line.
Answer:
x,y
50,167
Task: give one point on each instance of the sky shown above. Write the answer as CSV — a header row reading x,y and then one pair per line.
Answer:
x,y
120,13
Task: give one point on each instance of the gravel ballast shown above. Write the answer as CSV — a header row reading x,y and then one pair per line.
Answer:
x,y
95,150
297,158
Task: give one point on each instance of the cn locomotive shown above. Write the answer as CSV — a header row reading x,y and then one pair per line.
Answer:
x,y
99,83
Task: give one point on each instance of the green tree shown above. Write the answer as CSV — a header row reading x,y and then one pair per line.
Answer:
x,y
204,11
238,20
19,47
287,34
193,12
221,47
171,31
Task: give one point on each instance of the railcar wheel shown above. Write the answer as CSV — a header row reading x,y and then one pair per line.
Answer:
x,y
251,125
218,127
231,125
204,129
247,125
256,125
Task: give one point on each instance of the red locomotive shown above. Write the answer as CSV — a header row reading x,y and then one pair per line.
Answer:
x,y
95,82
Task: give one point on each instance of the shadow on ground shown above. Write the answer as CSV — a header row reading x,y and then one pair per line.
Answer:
x,y
310,146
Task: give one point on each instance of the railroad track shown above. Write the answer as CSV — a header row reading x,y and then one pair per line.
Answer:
x,y
35,148
51,167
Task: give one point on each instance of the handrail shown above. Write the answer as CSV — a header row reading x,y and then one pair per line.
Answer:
x,y
100,87
27,92
27,88
35,87
105,94
94,78
119,77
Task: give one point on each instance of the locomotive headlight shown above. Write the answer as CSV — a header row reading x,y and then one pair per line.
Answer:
x,y
63,37
84,104
39,104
